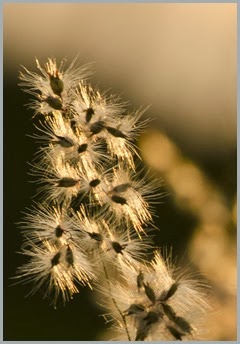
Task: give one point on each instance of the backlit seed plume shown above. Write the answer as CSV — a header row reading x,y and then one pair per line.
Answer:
x,y
59,181
101,117
90,223
48,223
60,270
103,241
156,304
127,197
90,108
52,86
61,142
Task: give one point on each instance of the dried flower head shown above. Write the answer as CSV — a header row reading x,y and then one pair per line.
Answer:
x,y
52,88
156,304
60,269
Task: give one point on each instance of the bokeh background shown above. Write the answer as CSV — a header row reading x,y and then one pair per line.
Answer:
x,y
181,60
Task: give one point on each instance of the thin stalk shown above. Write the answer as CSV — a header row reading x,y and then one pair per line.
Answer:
x,y
115,303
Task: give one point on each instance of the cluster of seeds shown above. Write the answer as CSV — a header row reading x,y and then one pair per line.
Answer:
x,y
158,306
95,208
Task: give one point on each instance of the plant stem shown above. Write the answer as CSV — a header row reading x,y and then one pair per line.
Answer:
x,y
115,303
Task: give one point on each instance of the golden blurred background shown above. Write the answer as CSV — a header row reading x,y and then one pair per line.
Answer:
x,y
182,60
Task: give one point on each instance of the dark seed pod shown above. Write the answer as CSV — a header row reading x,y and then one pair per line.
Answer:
x,y
169,311
97,127
151,317
119,200
118,248
65,142
56,84
67,182
150,293
55,259
179,321
89,114
54,102
121,187
69,256
82,148
140,279
116,132
94,183
96,236
176,334
183,324
59,231
135,308
73,124
171,291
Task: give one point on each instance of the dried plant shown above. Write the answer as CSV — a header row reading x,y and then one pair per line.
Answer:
x,y
91,225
